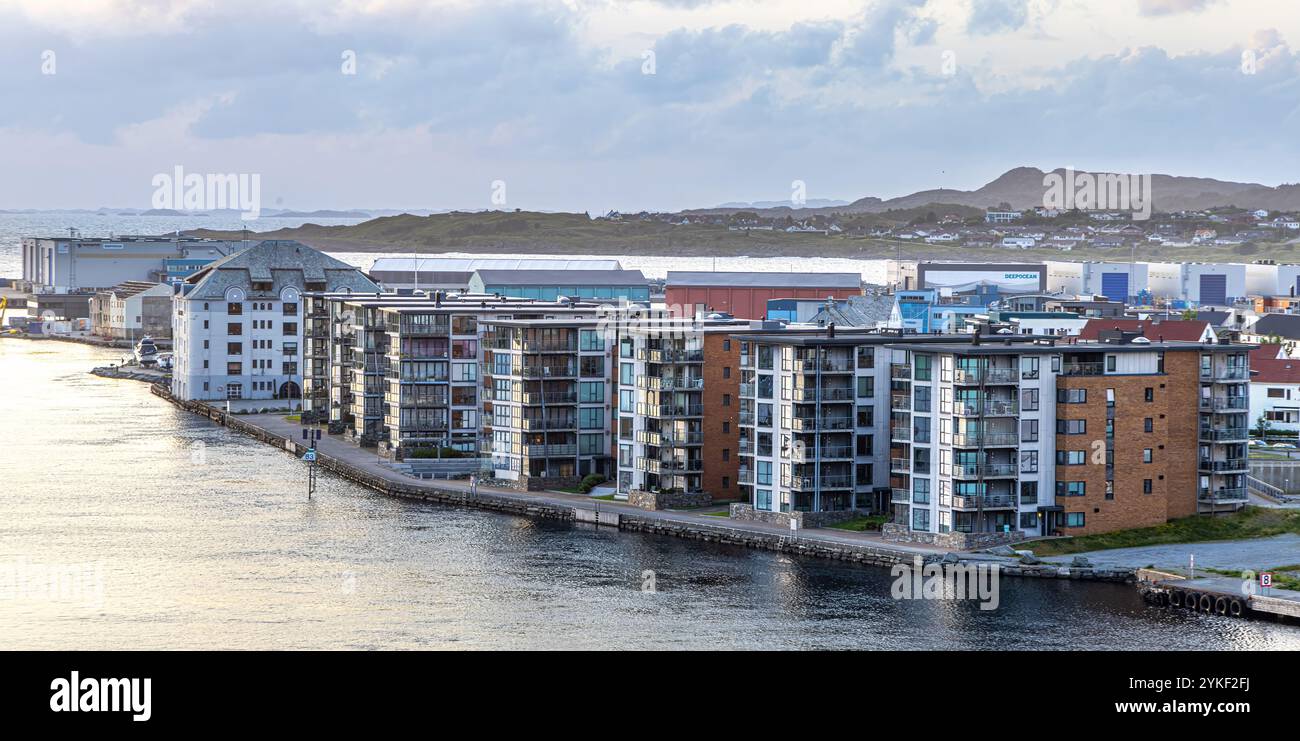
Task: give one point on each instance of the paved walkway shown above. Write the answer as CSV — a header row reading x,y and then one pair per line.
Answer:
x,y
1261,553
369,461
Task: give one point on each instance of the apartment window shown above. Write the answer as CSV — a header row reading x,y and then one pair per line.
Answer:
x,y
234,309
1029,400
1110,489
726,427
726,400
1071,488
726,345
290,309
1146,486
921,491
591,418
205,344
1110,398
1028,430
1148,425
1074,519
1028,520
1110,363
625,347
726,482
921,520
289,369
1150,394
589,340
1072,396
589,444
234,391
866,389
1071,426
726,454
626,372
1029,461
234,348
763,499
921,365
234,369
763,473
1070,458
290,328
1277,393
234,329
591,392
627,400
1029,492
1146,455
726,371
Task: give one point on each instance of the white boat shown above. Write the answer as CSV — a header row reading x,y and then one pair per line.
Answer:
x,y
146,352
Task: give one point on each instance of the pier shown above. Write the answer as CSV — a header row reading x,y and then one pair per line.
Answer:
x,y
360,466
1219,595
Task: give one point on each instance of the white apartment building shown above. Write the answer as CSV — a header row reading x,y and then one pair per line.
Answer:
x,y
236,324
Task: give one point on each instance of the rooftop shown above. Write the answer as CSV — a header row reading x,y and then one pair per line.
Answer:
x,y
764,280
561,277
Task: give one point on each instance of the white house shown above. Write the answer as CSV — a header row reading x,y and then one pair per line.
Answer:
x,y
1274,389
236,323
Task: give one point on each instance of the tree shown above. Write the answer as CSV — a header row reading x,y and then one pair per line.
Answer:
x,y
1263,426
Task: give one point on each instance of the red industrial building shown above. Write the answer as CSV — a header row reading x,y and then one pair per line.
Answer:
x,y
745,295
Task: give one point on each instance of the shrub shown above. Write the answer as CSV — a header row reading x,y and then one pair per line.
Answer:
x,y
591,481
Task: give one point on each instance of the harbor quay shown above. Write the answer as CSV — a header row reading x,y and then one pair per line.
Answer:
x,y
362,466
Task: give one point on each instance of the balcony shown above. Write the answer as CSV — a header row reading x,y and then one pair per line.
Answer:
x,y
670,410
1225,403
900,371
900,433
562,423
1217,496
811,483
811,454
900,496
551,450
812,394
825,365
1228,374
663,356
986,439
900,465
1220,434
548,371
550,397
900,402
986,408
983,470
745,475
670,383
1224,466
670,466
1082,369
967,376
812,424
988,501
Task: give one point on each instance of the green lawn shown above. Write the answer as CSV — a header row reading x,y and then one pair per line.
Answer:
x,y
719,513
1252,522
861,524
1280,581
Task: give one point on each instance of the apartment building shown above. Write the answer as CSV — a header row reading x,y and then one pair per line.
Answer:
x,y
235,322
547,401
988,439
412,373
677,385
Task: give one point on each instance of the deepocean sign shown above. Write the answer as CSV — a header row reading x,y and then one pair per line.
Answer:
x,y
964,277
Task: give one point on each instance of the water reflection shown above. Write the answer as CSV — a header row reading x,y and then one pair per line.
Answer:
x,y
223,550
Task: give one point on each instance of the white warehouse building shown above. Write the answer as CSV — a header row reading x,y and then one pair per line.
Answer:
x,y
236,324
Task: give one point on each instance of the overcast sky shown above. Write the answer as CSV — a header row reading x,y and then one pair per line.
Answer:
x,y
882,97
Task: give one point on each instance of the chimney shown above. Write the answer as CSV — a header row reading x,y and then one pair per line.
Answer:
x,y
830,330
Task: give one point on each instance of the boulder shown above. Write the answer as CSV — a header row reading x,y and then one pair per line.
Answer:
x,y
1079,562
1029,560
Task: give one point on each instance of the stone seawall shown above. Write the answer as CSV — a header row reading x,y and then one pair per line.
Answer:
x,y
647,522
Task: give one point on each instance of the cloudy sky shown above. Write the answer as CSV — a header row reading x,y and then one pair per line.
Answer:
x,y
659,104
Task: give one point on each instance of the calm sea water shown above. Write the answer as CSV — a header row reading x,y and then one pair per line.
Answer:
x,y
171,532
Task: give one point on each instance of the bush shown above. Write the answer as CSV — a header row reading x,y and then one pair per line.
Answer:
x,y
434,453
591,481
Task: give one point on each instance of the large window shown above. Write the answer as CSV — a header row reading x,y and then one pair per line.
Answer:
x,y
1071,488
1071,426
589,340
1074,519
763,473
591,392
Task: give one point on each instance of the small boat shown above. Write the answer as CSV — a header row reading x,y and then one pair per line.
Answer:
x,y
165,360
146,352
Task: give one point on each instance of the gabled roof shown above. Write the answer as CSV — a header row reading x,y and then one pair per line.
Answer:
x,y
280,262
1172,330
858,311
1267,367
1282,325
763,280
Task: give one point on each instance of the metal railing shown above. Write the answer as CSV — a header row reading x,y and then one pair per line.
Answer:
x,y
988,439
975,470
1223,495
988,501
1082,369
